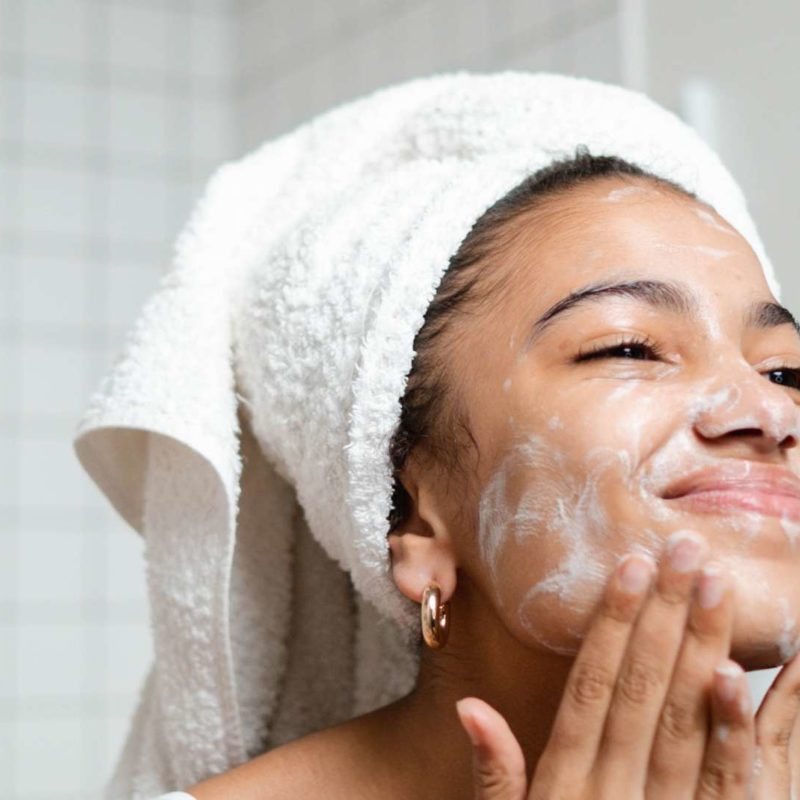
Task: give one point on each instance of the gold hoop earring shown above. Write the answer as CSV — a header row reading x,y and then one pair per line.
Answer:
x,y
435,617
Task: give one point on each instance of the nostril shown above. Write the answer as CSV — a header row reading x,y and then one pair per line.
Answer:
x,y
787,442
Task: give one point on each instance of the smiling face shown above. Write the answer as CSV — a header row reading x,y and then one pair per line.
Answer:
x,y
582,446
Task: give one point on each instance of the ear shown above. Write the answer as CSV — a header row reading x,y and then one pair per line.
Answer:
x,y
422,547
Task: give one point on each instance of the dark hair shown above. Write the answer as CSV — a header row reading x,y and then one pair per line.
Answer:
x,y
429,414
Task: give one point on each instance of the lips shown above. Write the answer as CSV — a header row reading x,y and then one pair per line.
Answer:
x,y
757,477
764,488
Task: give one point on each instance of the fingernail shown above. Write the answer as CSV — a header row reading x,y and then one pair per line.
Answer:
x,y
466,720
728,680
684,549
744,700
711,587
635,573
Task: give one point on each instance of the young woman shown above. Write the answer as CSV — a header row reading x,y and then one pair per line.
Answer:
x,y
597,465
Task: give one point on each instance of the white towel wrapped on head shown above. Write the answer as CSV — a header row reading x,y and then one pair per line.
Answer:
x,y
257,393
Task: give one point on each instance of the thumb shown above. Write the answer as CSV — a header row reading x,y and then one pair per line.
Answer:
x,y
498,766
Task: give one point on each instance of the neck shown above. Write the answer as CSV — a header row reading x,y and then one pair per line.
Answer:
x,y
481,659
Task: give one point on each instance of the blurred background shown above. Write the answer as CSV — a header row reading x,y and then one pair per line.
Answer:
x,y
113,114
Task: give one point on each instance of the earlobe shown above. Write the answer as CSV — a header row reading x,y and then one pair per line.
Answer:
x,y
419,559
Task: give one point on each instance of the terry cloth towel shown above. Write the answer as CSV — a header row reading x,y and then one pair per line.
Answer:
x,y
257,392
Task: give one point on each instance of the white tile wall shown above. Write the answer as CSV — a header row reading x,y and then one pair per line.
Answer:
x,y
295,64
9,479
57,578
138,122
55,113
53,200
113,114
9,399
50,742
53,291
54,364
52,30
139,36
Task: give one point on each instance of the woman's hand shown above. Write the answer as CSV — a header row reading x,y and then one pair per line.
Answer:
x,y
777,758
652,707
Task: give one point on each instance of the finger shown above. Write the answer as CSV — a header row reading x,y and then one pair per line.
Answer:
x,y
774,723
498,765
647,666
578,726
680,740
727,769
794,760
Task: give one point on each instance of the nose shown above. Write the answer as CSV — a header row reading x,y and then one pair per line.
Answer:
x,y
748,405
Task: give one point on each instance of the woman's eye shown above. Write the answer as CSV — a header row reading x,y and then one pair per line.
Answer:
x,y
785,376
637,351
644,351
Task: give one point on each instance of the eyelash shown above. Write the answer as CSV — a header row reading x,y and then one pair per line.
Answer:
x,y
605,351
654,351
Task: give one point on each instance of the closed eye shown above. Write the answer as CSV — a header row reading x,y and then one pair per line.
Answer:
x,y
631,348
635,349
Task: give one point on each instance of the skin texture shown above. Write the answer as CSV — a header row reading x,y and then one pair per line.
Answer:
x,y
570,463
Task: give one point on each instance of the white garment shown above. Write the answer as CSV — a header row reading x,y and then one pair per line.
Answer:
x,y
175,796
256,395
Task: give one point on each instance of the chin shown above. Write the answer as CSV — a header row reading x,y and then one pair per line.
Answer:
x,y
764,564
766,627
760,655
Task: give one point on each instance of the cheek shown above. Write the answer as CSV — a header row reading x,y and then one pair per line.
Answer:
x,y
570,499
551,520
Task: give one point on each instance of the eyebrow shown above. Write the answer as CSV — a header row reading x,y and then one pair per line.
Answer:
x,y
662,295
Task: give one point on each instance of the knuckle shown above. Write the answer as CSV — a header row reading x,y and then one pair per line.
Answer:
x,y
718,779
680,718
592,685
672,595
704,628
639,682
620,608
714,780
777,740
491,782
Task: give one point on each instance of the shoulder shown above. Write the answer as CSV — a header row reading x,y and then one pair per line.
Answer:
x,y
333,763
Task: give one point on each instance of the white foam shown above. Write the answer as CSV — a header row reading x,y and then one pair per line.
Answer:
x,y
554,423
788,639
617,195
714,253
792,531
711,220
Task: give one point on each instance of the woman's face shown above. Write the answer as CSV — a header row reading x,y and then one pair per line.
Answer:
x,y
580,449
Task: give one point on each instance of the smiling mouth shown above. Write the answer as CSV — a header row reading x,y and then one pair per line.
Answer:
x,y
748,499
762,488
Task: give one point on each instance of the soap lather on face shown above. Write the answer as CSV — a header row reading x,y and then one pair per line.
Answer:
x,y
677,358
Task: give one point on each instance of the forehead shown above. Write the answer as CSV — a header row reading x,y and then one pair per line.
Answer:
x,y
617,226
